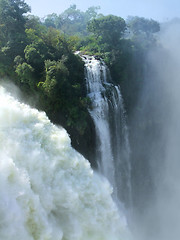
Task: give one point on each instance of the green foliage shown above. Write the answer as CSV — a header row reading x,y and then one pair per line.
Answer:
x,y
142,31
32,55
142,25
56,76
108,29
35,54
12,27
52,20
74,42
72,21
90,46
65,94
26,75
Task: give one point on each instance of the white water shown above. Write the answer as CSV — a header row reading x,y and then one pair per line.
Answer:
x,y
47,190
107,112
96,76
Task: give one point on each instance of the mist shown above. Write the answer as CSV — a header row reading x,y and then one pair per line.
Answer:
x,y
155,131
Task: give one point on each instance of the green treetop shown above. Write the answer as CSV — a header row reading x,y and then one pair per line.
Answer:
x,y
109,29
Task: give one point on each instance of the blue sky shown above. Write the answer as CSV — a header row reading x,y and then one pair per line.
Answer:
x,y
160,10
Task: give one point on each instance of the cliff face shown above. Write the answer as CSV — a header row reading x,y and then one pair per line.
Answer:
x,y
85,143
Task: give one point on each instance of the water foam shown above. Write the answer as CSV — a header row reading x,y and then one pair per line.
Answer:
x,y
48,190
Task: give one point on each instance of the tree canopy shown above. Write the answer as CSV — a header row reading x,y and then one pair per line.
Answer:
x,y
12,30
108,28
12,20
139,24
72,21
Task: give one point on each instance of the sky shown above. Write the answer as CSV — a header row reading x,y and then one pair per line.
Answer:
x,y
160,10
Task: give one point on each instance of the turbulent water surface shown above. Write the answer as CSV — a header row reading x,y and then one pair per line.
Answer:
x,y
48,190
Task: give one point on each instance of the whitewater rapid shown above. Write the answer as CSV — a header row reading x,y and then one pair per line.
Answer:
x,y
48,191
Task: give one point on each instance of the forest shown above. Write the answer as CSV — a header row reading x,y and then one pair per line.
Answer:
x,y
39,56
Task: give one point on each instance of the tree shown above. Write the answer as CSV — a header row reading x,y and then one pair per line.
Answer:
x,y
12,27
72,21
91,13
56,78
34,55
52,20
139,25
34,23
142,30
109,29
26,75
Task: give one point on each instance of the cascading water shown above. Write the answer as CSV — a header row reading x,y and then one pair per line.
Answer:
x,y
107,111
48,190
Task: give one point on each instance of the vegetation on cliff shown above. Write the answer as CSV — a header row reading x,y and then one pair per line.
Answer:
x,y
38,54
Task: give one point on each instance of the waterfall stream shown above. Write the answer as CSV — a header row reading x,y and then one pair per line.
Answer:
x,y
107,112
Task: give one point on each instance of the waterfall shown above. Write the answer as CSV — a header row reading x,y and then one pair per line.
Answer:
x,y
107,112
48,190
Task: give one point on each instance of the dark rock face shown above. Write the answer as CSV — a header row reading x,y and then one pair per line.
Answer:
x,y
86,143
